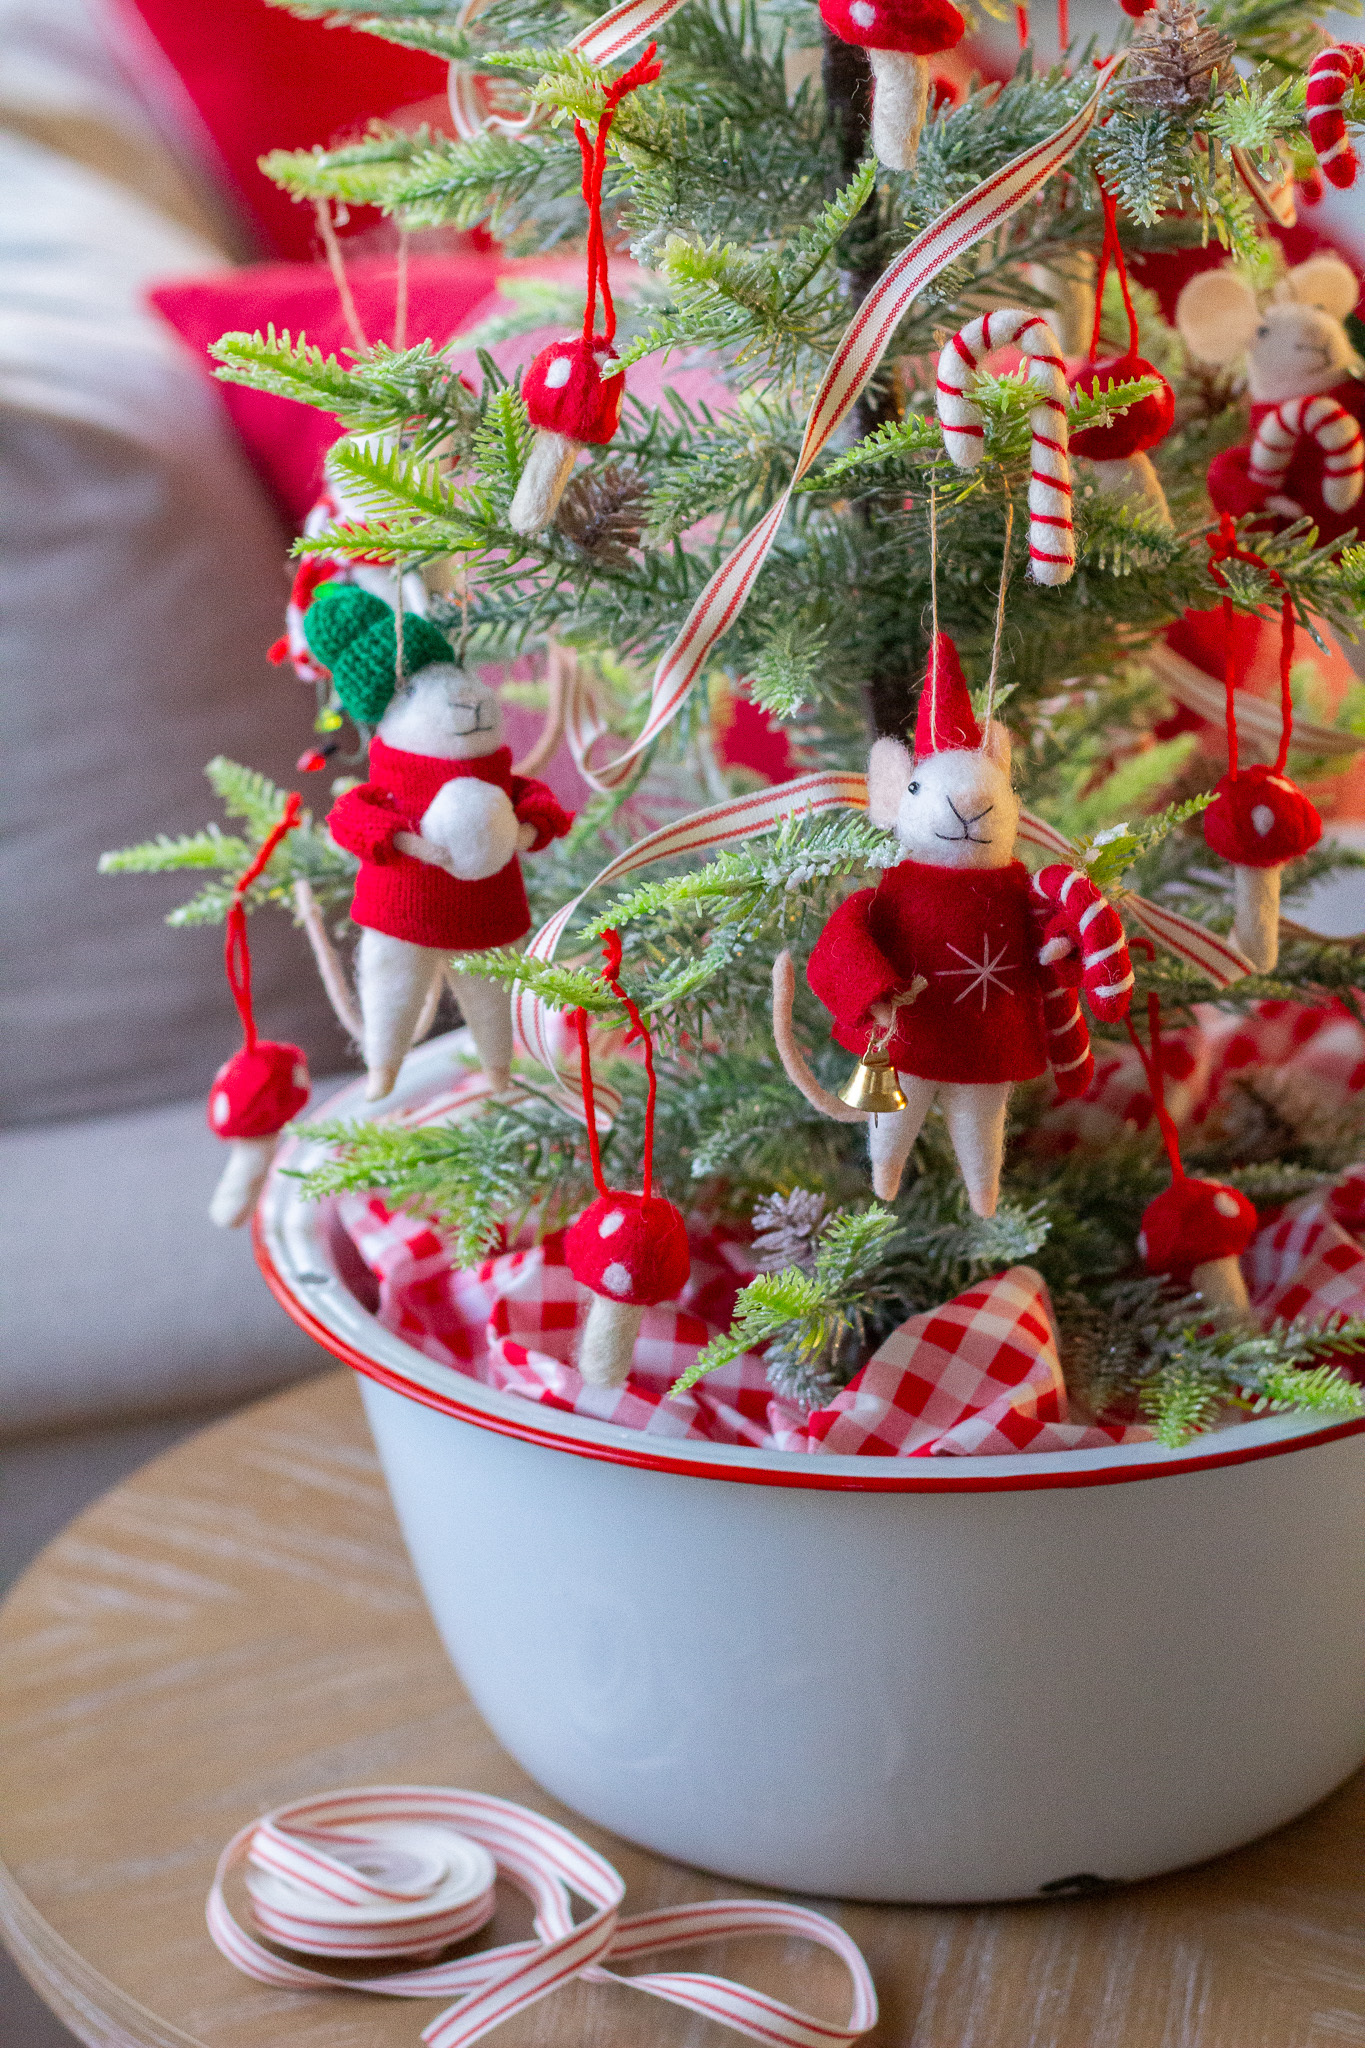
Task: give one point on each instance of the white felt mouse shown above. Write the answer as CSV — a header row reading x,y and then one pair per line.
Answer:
x,y
437,827
1306,453
938,967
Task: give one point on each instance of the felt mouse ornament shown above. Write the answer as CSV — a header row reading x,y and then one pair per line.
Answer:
x,y
958,966
570,402
257,1091
629,1250
1306,453
437,828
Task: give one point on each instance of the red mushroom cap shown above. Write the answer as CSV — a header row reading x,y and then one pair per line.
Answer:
x,y
1192,1222
1260,819
566,393
924,28
255,1093
630,1249
1142,426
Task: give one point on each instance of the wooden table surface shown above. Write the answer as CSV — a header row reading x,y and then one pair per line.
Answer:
x,y
237,1625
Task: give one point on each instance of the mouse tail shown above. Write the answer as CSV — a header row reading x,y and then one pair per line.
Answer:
x,y
794,1063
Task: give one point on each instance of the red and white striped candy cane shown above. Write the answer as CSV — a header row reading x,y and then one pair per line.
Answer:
x,y
1337,433
1328,77
1068,1041
1051,540
1096,931
481,103
391,1870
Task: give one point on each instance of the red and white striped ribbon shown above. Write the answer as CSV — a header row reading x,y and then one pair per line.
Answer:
x,y
1337,434
748,817
348,1858
480,103
1328,77
865,342
1051,538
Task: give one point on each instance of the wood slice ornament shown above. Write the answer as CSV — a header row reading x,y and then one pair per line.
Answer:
x,y
255,1093
571,403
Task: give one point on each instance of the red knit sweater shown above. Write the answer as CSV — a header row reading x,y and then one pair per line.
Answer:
x,y
409,899
967,930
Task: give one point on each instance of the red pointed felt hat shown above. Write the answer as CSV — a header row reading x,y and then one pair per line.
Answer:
x,y
945,718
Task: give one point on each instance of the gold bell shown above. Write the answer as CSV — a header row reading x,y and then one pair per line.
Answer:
x,y
873,1086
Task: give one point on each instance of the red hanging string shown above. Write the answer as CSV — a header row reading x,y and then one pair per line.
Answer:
x,y
1063,27
1112,249
594,155
1223,546
611,954
1021,23
1156,1081
236,951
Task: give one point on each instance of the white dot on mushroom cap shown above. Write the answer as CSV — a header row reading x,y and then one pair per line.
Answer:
x,y
220,1109
300,1074
862,13
1262,817
1142,1244
617,1280
609,1225
1227,1205
559,373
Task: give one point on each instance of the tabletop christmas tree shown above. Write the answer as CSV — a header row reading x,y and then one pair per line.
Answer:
x,y
909,359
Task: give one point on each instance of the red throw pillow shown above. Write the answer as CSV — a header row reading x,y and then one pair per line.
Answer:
x,y
260,79
286,441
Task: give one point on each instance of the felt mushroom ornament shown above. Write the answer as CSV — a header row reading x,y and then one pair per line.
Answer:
x,y
900,36
257,1091
572,405
630,1250
1259,819
1119,450
1196,1231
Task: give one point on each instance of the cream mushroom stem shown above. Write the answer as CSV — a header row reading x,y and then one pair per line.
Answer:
x,y
543,482
899,106
608,1343
1132,478
1256,914
1220,1284
241,1181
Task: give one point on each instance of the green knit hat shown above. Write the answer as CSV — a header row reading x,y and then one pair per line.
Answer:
x,y
354,634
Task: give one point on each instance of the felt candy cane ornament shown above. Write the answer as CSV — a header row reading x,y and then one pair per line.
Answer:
x,y
1259,819
1051,540
1336,434
1328,77
630,1250
257,1091
1119,450
570,403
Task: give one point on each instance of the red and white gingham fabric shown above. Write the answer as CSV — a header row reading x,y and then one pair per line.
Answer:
x,y
979,1375
334,1857
1307,1258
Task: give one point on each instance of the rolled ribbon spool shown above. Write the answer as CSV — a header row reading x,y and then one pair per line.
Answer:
x,y
388,1871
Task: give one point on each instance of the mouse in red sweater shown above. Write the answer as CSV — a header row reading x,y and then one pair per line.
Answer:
x,y
959,965
437,826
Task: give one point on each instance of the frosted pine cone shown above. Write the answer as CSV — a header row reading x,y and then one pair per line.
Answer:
x,y
1175,59
787,1230
602,513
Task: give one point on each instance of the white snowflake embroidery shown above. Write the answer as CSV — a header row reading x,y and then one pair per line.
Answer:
x,y
984,974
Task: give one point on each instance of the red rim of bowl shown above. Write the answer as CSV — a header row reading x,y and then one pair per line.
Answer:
x,y
395,1364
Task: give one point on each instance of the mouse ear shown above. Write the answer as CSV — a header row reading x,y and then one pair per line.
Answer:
x,y
1216,314
997,745
889,768
1325,282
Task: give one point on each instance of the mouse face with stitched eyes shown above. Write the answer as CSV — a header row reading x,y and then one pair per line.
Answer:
x,y
953,808
445,712
1295,347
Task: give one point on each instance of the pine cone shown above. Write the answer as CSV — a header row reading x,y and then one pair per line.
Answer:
x,y
788,1229
602,513
1175,59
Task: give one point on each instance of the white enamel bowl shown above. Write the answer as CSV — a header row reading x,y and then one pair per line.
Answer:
x,y
946,1679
